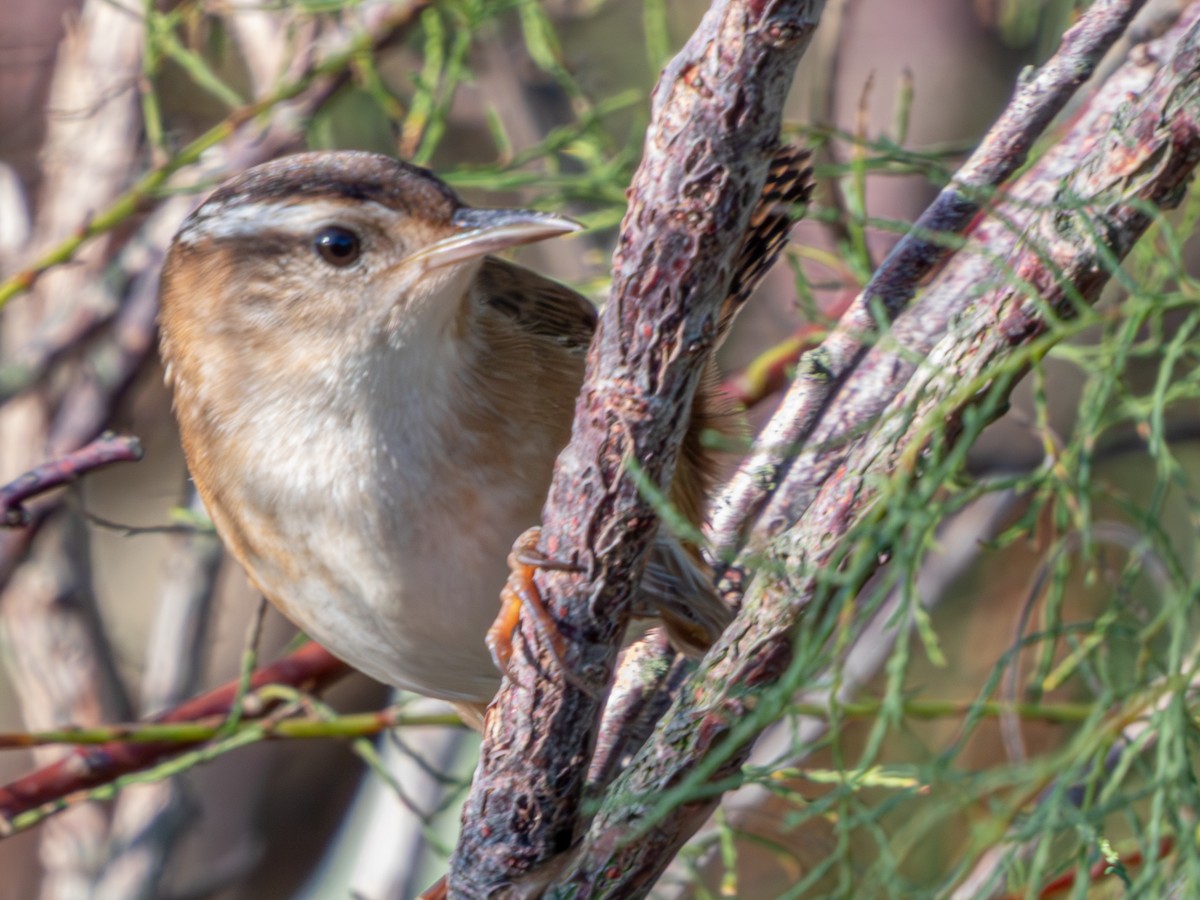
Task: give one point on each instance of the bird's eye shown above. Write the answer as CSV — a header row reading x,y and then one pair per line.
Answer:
x,y
337,246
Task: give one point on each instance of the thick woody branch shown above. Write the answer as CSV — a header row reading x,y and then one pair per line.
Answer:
x,y
716,124
1050,245
1003,150
1042,94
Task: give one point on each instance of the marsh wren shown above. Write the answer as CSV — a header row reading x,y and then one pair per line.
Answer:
x,y
371,405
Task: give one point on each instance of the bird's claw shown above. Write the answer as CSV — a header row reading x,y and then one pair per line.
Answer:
x,y
519,591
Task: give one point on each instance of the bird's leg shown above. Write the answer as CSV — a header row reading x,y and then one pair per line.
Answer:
x,y
521,590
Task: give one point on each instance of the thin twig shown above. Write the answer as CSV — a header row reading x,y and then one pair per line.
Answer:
x,y
105,450
1138,733
311,668
354,725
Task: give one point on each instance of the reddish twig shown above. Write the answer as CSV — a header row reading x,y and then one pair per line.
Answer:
x,y
771,370
1067,881
105,450
311,668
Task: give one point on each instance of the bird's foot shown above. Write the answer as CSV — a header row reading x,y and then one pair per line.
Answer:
x,y
521,591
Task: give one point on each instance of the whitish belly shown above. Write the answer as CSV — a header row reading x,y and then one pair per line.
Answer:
x,y
408,606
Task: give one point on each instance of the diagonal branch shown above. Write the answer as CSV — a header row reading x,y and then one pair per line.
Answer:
x,y
717,115
1038,99
1049,246
105,450
736,512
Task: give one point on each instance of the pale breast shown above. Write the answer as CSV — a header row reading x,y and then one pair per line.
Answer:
x,y
397,512
375,501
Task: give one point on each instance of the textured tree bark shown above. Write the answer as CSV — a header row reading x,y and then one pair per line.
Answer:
x,y
523,809
1049,245
717,112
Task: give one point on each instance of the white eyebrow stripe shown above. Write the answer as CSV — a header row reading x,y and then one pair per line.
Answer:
x,y
239,218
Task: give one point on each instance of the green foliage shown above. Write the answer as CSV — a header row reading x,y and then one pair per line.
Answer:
x,y
1097,661
1110,518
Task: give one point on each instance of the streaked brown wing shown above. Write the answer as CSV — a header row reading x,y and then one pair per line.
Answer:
x,y
546,308
536,304
789,184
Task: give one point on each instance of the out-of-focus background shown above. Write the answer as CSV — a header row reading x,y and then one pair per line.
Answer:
x,y
541,103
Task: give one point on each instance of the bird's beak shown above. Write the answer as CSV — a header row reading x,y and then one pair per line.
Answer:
x,y
484,231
